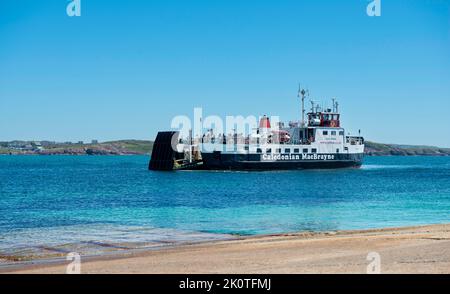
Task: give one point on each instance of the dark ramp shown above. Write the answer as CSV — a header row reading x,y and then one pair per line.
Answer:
x,y
162,154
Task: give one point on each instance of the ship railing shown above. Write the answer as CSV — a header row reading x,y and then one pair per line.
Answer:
x,y
353,140
300,142
241,140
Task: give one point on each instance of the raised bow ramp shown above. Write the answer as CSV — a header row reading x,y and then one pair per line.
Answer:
x,y
163,155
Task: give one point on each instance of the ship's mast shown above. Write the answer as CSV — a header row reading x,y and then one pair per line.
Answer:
x,y
302,93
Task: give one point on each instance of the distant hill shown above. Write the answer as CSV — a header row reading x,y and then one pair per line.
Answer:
x,y
122,147
131,146
377,149
142,147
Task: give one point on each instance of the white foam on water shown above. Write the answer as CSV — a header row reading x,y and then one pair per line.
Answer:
x,y
95,239
378,166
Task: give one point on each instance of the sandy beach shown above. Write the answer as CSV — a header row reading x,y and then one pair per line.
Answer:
x,y
402,250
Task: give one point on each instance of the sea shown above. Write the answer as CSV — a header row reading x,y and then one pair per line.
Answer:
x,y
53,205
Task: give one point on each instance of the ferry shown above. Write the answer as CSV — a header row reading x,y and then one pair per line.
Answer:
x,y
318,141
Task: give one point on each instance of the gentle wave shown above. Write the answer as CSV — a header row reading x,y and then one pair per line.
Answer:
x,y
376,166
94,239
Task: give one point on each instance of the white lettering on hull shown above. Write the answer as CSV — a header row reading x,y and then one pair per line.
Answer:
x,y
290,157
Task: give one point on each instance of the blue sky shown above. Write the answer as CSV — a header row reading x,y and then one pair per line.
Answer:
x,y
124,69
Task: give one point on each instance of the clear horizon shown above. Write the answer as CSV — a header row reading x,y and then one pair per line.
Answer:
x,y
123,70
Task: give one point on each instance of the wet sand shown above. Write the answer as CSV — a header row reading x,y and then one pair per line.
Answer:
x,y
402,250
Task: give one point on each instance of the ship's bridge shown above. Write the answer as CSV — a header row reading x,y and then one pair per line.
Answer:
x,y
324,119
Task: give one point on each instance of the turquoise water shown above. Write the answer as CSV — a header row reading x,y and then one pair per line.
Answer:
x,y
58,203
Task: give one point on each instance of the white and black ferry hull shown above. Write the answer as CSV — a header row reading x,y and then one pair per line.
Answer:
x,y
221,161
165,158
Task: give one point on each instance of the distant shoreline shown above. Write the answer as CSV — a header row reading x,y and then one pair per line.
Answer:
x,y
121,147
143,147
149,154
401,251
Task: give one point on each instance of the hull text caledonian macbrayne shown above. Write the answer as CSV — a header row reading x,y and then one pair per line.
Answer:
x,y
317,142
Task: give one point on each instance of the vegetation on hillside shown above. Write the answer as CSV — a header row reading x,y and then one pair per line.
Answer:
x,y
372,148
122,147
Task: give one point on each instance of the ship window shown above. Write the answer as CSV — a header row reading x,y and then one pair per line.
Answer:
x,y
287,150
314,150
325,133
268,151
246,148
333,133
305,150
346,148
296,150
279,150
341,133
337,150
258,150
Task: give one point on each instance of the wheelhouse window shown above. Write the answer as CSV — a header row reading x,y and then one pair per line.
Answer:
x,y
333,133
325,133
341,133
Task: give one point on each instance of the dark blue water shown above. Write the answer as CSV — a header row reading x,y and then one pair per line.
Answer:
x,y
59,200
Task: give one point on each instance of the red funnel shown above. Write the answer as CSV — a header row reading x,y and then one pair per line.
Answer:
x,y
264,123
